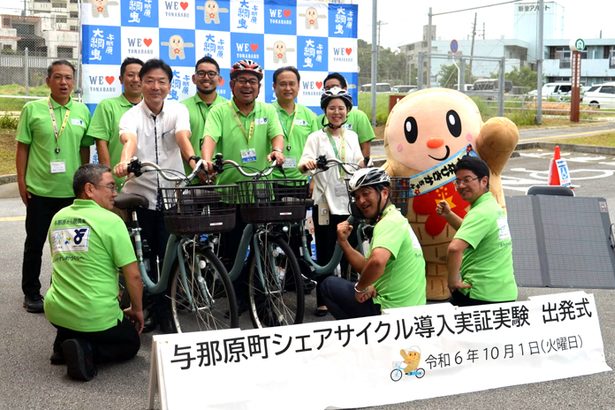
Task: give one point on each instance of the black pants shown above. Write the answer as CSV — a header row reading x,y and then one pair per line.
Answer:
x,y
459,299
326,238
115,344
39,213
156,235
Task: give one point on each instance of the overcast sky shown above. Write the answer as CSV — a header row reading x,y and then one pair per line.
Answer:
x,y
405,19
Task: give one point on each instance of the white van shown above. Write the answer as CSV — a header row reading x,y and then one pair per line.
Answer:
x,y
380,88
558,90
601,96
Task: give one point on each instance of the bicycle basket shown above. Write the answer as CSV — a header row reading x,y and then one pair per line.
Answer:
x,y
199,209
272,200
400,193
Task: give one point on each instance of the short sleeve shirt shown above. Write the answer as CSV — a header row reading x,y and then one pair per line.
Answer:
x,y
198,111
88,244
245,139
156,142
51,165
296,127
403,282
487,263
358,122
105,126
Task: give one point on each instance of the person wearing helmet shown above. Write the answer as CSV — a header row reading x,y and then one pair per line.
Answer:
x,y
393,275
329,194
357,120
248,132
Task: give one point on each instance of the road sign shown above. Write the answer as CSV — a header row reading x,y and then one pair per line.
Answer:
x,y
454,46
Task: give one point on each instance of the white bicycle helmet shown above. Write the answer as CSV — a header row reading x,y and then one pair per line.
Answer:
x,y
368,177
333,93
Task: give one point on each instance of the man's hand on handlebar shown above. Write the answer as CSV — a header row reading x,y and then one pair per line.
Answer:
x,y
278,156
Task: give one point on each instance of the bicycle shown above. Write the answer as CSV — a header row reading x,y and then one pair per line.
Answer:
x,y
202,296
275,286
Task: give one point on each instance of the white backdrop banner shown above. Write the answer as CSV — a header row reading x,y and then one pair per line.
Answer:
x,y
406,354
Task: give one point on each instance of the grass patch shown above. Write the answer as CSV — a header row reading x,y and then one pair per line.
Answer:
x,y
600,140
8,146
16,104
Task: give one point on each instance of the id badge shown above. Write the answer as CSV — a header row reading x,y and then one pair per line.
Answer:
x,y
290,162
248,155
323,215
58,167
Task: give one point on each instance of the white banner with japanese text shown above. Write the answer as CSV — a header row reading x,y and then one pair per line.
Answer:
x,y
403,355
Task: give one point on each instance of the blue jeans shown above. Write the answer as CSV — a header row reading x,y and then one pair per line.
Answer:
x,y
338,295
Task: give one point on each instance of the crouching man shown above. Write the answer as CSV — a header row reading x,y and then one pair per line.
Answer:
x,y
89,244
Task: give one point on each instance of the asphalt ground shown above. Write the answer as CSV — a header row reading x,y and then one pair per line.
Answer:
x,y
28,381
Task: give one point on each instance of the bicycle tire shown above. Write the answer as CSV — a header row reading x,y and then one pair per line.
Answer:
x,y
214,305
278,299
396,375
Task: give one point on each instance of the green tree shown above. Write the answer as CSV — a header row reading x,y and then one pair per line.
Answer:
x,y
524,77
392,65
447,76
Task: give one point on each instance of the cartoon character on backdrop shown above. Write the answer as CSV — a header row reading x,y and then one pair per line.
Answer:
x,y
212,11
177,45
426,132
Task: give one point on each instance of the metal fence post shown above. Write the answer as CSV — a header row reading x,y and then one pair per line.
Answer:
x,y
501,87
26,69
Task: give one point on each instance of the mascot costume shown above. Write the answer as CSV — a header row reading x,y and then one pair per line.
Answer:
x,y
426,133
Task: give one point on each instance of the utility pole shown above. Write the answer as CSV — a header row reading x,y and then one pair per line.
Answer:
x,y
539,57
380,24
429,27
472,47
374,58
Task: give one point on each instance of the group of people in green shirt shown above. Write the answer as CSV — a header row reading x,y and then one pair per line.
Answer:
x,y
89,243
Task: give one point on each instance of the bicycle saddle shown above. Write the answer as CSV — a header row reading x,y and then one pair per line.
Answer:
x,y
130,201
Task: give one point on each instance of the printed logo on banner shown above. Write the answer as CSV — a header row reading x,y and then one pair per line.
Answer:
x,y
140,43
142,13
100,82
352,79
343,54
177,47
247,46
181,84
280,51
312,18
212,15
96,11
101,45
343,20
311,87
177,13
280,19
312,53
247,16
215,44
224,88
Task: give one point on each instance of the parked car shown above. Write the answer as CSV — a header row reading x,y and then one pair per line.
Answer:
x,y
403,89
380,88
559,91
601,96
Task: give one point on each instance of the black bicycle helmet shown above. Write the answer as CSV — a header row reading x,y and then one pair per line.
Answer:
x,y
246,66
368,177
335,92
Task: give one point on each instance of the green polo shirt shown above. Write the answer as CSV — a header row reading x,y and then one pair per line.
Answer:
x,y
48,173
487,263
88,244
105,126
403,282
245,139
198,110
358,122
296,127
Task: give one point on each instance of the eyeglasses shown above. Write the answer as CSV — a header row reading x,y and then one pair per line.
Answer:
x,y
244,81
465,181
209,74
111,187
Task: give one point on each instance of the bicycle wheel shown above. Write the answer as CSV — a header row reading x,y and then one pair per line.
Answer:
x,y
396,375
276,290
204,299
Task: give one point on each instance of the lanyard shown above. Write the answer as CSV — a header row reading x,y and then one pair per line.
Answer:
x,y
247,135
54,123
287,134
341,157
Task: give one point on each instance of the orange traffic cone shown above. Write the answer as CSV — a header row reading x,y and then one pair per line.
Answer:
x,y
553,171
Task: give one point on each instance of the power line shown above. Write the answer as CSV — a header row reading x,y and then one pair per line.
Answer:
x,y
475,8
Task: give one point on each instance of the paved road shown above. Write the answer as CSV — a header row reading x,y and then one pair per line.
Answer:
x,y
27,381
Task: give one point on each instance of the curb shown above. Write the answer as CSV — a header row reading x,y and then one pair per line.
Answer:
x,y
7,179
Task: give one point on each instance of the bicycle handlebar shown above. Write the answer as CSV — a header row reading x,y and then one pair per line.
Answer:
x,y
218,165
136,167
323,163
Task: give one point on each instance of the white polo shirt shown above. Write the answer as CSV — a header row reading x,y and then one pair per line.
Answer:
x,y
329,186
155,143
